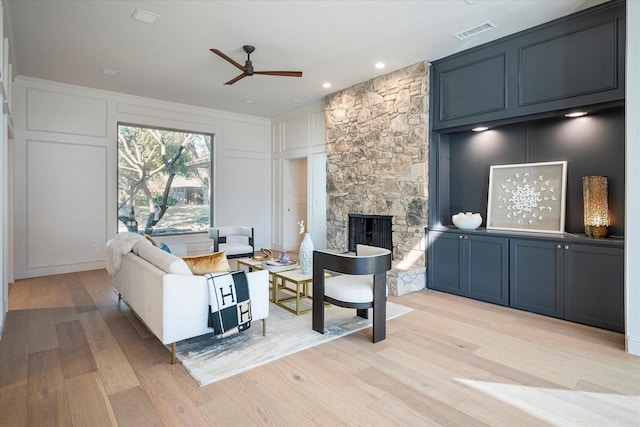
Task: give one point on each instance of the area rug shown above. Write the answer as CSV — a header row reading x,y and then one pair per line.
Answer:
x,y
209,359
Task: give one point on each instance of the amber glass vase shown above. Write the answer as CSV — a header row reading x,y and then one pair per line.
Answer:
x,y
596,206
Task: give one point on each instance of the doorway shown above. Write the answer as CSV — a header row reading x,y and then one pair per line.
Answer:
x,y
294,201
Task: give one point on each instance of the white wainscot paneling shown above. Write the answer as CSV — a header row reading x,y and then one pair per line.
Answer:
x,y
319,129
159,116
296,133
66,203
244,136
65,113
245,195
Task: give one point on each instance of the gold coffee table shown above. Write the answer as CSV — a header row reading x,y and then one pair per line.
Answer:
x,y
300,282
250,263
253,265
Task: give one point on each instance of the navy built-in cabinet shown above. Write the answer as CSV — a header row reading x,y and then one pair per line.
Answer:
x,y
569,280
471,265
571,62
521,86
568,277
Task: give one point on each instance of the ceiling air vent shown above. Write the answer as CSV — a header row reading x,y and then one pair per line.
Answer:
x,y
474,31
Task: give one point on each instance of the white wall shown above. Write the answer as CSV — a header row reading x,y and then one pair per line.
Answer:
x,y
6,146
298,135
632,197
66,171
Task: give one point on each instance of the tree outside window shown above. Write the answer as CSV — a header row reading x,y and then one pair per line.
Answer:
x,y
164,180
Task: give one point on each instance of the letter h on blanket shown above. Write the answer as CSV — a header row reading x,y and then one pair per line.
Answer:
x,y
229,302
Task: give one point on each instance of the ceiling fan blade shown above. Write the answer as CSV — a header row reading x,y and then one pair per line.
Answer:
x,y
232,81
226,58
280,73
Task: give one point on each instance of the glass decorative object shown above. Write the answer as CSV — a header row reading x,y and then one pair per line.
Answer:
x,y
596,206
284,257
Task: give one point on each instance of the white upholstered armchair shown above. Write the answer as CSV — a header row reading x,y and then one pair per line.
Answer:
x,y
362,284
236,241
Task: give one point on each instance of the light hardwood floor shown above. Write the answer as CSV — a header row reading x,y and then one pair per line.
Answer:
x,y
70,354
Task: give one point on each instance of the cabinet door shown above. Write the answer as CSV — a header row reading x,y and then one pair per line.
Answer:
x,y
536,276
486,268
572,64
469,87
594,286
444,262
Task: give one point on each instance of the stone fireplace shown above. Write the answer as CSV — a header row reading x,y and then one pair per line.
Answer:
x,y
377,164
373,230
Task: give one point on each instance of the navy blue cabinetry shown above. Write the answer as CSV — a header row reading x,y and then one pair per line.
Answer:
x,y
571,62
572,280
594,286
521,86
470,265
536,276
570,277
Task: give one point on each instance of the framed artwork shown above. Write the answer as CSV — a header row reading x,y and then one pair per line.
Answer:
x,y
527,197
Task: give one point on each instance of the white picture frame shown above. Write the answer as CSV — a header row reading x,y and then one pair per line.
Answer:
x,y
527,197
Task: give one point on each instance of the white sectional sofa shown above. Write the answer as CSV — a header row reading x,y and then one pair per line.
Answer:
x,y
172,302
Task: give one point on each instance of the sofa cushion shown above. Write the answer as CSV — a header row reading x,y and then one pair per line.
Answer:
x,y
163,260
210,263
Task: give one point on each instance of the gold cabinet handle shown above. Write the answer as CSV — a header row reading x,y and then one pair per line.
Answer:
x,y
460,236
558,246
466,237
566,247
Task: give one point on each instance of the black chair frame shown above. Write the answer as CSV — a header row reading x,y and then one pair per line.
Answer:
x,y
217,239
353,265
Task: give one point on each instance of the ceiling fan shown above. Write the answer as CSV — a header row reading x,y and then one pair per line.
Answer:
x,y
247,69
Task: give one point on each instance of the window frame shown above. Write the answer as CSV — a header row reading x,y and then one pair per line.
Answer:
x,y
211,166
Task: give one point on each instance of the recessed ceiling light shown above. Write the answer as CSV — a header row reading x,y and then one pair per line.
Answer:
x,y
576,114
326,85
249,101
380,65
480,129
145,16
111,72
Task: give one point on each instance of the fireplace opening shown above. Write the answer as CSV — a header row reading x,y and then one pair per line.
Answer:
x,y
372,230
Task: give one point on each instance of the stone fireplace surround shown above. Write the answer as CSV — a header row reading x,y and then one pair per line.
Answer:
x,y
377,164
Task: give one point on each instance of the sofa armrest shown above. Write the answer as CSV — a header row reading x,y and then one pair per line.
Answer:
x,y
185,303
259,293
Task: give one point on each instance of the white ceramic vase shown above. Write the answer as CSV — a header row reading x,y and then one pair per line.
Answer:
x,y
467,220
305,256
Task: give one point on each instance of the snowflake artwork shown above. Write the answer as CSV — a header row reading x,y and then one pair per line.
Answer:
x,y
527,196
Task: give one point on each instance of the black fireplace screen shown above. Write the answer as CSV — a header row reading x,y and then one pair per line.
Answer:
x,y
372,230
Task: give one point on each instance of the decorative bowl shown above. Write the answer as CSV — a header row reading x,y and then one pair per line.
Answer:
x,y
467,220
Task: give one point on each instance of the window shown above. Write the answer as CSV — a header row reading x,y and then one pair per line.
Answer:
x,y
164,180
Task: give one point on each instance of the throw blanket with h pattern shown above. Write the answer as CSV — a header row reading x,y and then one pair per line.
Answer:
x,y
229,303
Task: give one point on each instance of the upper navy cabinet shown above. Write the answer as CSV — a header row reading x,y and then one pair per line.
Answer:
x,y
570,62
476,87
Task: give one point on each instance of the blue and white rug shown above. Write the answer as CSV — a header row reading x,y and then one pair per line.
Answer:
x,y
209,359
